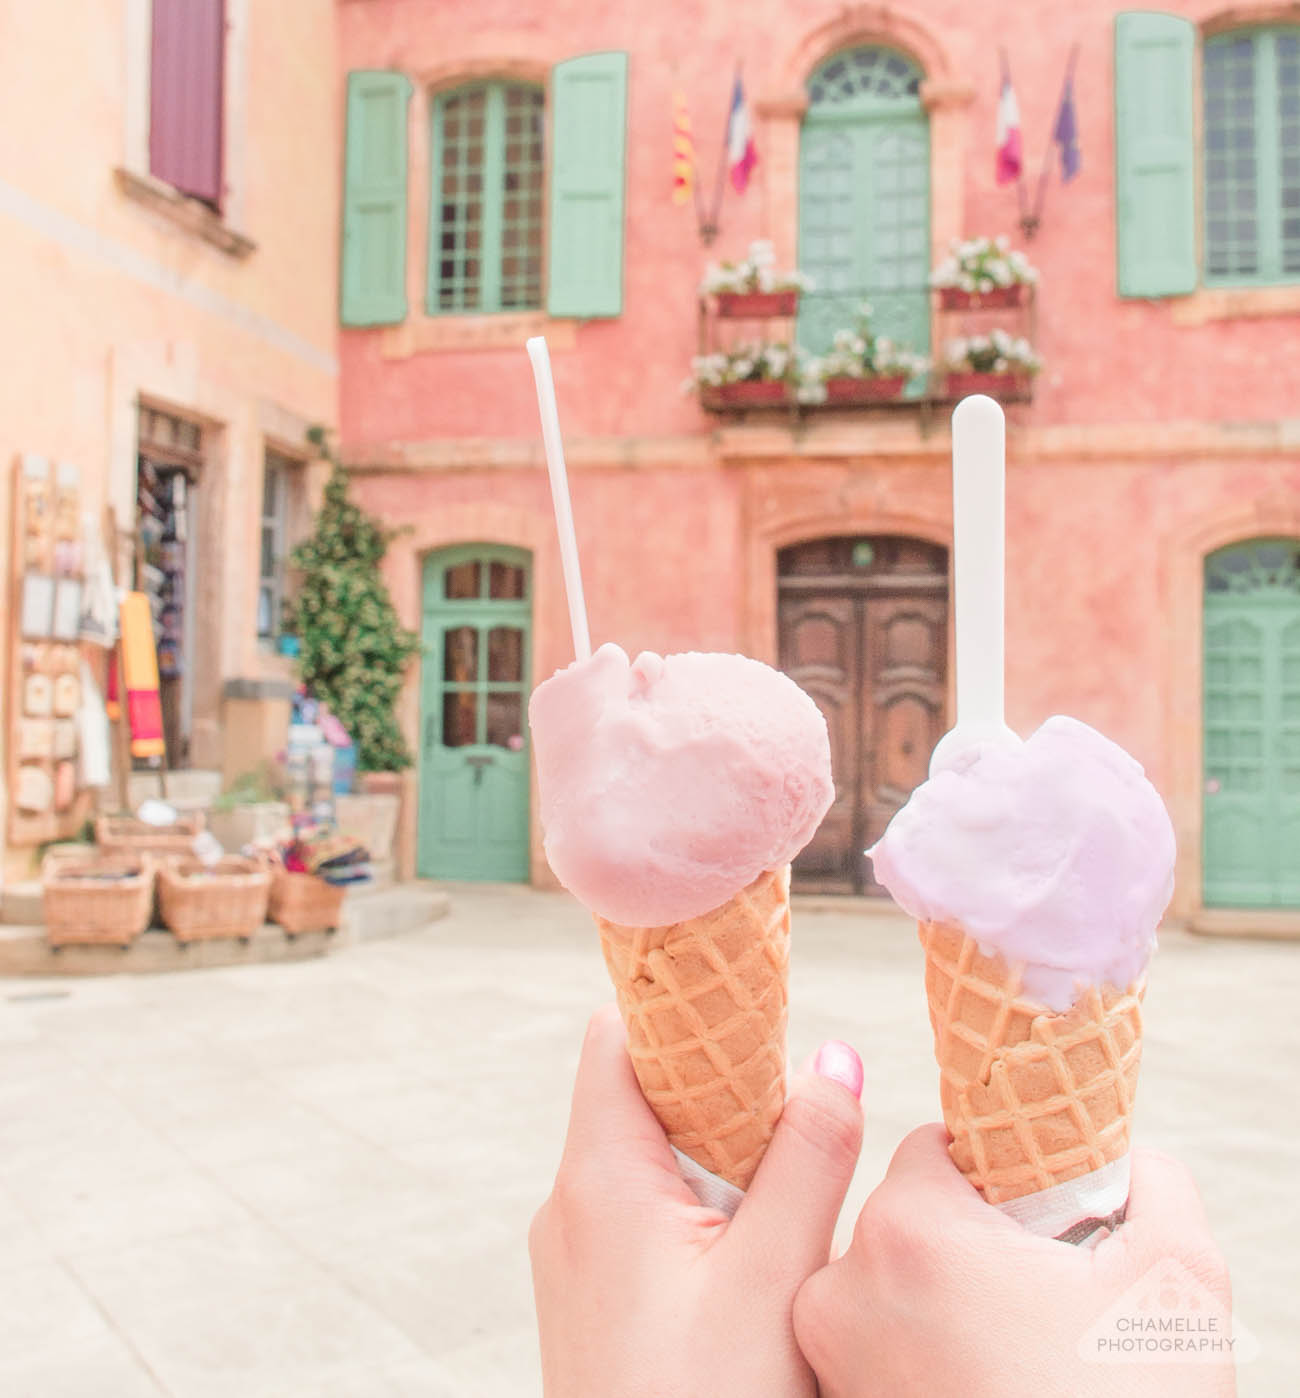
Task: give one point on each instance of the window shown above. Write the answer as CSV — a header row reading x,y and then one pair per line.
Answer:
x,y
185,96
864,198
485,225
277,476
1252,156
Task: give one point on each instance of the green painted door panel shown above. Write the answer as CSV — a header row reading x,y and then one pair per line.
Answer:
x,y
1252,726
589,145
864,226
1155,147
474,766
373,256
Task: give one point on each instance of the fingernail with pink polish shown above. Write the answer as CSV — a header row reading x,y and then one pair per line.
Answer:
x,y
837,1061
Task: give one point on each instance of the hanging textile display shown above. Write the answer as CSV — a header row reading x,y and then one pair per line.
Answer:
x,y
140,677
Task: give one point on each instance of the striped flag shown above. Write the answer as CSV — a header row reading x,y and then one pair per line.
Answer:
x,y
1009,150
741,155
683,151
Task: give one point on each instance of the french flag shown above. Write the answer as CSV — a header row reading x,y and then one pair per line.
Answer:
x,y
741,155
1009,154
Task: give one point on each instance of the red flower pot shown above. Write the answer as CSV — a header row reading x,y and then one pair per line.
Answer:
x,y
864,390
1008,385
757,305
750,394
953,298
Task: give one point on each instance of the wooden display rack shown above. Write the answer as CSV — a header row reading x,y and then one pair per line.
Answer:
x,y
45,596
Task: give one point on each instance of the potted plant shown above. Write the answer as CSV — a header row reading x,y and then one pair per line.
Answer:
x,y
863,367
746,375
983,273
752,288
251,810
353,650
998,364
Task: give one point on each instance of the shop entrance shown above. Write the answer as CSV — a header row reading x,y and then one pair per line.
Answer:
x,y
169,477
864,630
474,712
1252,725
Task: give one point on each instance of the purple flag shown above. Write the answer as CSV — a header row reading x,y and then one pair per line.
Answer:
x,y
1066,134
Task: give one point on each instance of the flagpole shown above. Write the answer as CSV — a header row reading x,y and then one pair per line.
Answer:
x,y
1029,224
708,231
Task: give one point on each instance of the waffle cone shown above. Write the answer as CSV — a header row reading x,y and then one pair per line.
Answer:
x,y
705,1005
1030,1097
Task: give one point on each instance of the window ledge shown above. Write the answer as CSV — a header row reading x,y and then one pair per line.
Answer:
x,y
1211,303
422,334
184,212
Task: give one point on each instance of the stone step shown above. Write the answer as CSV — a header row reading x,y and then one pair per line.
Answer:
x,y
368,915
191,789
21,902
375,911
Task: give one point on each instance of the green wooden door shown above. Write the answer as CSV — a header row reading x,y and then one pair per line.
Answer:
x,y
864,199
474,706
1252,725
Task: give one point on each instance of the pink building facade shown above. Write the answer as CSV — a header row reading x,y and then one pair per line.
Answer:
x,y
1153,508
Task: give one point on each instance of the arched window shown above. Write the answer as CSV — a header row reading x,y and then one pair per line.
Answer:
x,y
864,197
1252,155
485,221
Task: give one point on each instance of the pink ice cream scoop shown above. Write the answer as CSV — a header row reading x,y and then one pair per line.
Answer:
x,y
670,783
1056,852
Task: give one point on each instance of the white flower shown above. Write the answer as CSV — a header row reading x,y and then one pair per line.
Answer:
x,y
858,345
1001,273
762,253
956,352
1002,242
966,282
843,339
999,366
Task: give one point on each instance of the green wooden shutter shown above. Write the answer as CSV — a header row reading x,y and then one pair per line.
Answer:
x,y
373,280
588,144
1155,154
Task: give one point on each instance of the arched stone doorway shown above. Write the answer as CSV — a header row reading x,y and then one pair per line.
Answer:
x,y
863,628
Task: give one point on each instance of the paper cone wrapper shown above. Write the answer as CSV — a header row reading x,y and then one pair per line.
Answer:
x,y
705,1003
1035,1101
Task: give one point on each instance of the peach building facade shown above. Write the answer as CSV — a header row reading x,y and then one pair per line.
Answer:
x,y
177,314
1159,455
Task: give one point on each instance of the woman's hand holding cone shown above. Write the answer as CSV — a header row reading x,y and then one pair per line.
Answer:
x,y
939,1293
643,1291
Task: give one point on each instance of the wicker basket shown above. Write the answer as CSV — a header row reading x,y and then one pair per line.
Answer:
x,y
304,903
225,899
124,834
85,905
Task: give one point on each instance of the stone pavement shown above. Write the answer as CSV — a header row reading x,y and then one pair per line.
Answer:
x,y
314,1180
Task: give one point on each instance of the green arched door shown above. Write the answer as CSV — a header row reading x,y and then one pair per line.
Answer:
x,y
864,198
1252,725
474,714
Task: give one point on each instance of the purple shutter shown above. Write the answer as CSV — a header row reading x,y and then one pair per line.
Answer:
x,y
185,96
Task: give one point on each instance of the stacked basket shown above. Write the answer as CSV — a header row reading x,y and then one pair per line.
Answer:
x,y
225,899
96,899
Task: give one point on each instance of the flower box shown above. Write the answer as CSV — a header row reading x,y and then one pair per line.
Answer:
x,y
880,390
1008,385
757,305
747,394
953,298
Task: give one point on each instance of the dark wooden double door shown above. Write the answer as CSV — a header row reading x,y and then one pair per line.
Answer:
x,y
864,631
